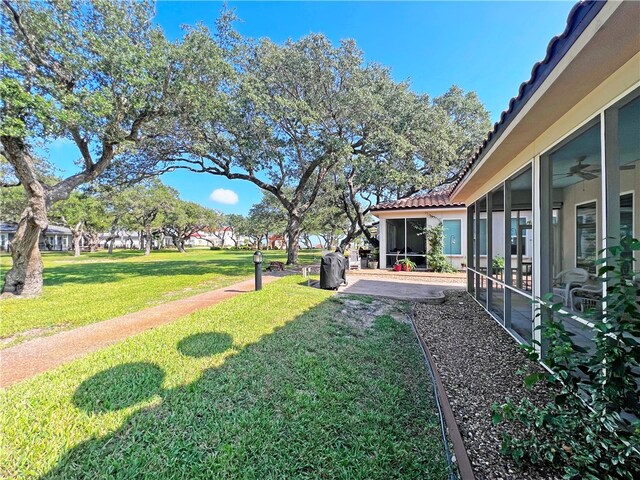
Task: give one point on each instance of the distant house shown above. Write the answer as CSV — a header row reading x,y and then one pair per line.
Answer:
x,y
123,239
55,237
401,231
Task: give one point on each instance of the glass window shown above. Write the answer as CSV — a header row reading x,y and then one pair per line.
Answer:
x,y
406,239
626,215
518,231
482,236
586,237
521,236
576,191
395,240
452,237
628,164
417,241
497,234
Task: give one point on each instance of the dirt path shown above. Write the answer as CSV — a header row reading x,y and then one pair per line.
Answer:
x,y
45,353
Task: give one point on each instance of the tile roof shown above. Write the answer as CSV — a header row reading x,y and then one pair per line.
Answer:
x,y
578,19
423,200
11,227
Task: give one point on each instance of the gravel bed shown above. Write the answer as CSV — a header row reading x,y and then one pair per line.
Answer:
x,y
478,362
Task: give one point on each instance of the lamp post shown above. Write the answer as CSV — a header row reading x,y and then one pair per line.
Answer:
x,y
257,260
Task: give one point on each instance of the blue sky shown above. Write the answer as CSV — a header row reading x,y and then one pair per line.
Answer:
x,y
488,47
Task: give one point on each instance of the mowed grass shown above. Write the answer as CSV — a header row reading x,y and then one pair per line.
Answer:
x,y
275,384
98,286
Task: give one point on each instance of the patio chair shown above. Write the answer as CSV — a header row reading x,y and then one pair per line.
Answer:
x,y
586,296
566,280
354,260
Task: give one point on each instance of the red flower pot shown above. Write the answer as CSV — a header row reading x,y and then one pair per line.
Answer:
x,y
405,268
397,268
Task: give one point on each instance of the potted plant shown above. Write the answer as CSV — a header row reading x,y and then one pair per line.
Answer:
x,y
373,263
396,266
407,265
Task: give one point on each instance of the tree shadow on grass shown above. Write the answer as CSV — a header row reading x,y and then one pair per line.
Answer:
x,y
205,344
305,401
90,273
119,387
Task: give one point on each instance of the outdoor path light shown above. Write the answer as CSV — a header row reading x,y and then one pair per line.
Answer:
x,y
257,260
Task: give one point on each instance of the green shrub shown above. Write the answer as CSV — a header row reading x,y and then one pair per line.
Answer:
x,y
436,259
498,263
592,429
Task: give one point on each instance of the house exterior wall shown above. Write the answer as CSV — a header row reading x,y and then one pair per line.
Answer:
x,y
433,216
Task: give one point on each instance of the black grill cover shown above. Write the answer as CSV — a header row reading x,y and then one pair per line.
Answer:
x,y
333,268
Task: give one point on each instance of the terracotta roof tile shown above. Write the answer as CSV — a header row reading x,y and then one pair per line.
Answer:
x,y
424,200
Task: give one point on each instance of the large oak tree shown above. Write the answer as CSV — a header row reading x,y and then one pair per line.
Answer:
x,y
98,74
285,127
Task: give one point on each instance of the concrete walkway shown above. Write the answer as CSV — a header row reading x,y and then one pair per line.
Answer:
x,y
45,353
398,289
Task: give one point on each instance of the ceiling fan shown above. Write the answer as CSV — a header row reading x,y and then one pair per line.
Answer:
x,y
587,172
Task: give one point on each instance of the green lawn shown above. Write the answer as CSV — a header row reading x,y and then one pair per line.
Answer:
x,y
98,286
288,382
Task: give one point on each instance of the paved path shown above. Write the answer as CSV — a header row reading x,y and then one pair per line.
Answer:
x,y
45,353
398,289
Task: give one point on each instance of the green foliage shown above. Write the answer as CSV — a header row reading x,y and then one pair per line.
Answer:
x,y
265,217
436,260
407,263
82,211
148,203
13,201
498,262
592,428
181,220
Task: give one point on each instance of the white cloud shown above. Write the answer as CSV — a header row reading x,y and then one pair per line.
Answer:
x,y
60,142
222,195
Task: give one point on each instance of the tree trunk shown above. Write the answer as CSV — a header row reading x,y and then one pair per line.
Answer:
x,y
148,242
76,236
293,239
370,238
142,243
25,276
179,244
111,242
93,241
307,241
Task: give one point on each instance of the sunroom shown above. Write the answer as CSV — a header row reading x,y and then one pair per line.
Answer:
x,y
558,179
404,223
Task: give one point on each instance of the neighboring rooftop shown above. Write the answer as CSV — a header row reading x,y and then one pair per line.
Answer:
x,y
11,227
438,199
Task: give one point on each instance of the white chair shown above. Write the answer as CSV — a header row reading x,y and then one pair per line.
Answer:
x,y
354,260
568,279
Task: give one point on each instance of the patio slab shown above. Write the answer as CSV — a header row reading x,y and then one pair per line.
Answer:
x,y
399,289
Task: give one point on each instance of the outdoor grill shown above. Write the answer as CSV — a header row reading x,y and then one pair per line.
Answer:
x,y
333,270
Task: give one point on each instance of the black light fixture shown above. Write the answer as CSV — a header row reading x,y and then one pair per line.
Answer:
x,y
257,260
